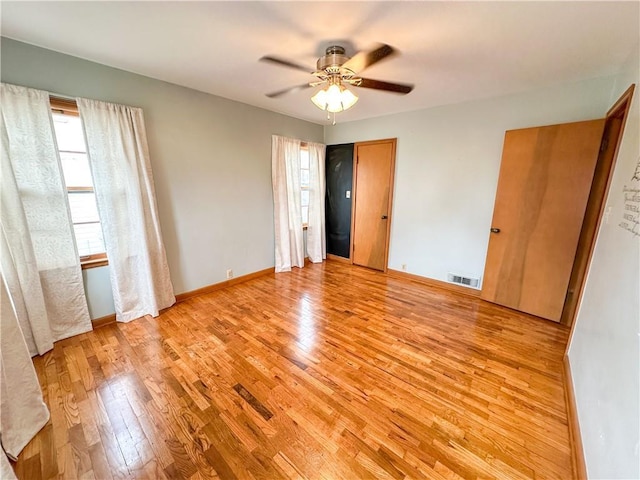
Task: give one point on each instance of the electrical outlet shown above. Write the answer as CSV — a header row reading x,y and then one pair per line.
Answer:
x,y
404,267
229,274
348,194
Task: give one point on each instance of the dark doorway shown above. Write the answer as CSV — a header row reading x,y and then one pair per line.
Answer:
x,y
339,173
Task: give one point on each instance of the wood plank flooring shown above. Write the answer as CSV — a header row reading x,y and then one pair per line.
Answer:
x,y
327,372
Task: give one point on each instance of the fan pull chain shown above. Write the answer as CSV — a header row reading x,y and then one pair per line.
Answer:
x,y
329,117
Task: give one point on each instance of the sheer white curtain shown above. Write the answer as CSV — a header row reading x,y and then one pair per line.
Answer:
x,y
285,174
6,472
22,410
316,238
38,257
119,158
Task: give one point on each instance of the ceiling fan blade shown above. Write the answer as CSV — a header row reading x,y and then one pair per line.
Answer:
x,y
288,90
286,63
401,88
365,59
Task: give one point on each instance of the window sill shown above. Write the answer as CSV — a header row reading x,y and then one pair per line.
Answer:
x,y
103,262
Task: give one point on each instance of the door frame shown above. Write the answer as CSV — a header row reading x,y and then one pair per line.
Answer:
x,y
584,255
354,195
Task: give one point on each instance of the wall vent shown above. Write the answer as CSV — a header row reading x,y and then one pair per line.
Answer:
x,y
462,280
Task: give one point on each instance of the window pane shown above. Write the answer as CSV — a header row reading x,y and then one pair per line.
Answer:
x,y
304,159
89,239
69,132
75,167
305,215
304,198
77,173
83,207
304,178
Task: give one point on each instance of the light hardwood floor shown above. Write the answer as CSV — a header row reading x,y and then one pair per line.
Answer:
x,y
331,371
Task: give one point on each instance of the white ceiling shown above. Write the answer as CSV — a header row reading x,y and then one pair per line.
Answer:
x,y
451,51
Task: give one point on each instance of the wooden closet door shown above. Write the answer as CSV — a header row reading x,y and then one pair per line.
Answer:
x,y
374,170
543,188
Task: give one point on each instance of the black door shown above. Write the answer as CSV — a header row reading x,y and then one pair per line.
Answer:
x,y
339,172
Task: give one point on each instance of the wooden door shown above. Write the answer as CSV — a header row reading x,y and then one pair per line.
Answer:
x,y
543,187
373,190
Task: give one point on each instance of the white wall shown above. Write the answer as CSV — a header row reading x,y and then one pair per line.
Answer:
x,y
97,287
604,352
447,165
211,160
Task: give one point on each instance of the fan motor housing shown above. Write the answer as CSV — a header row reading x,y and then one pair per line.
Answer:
x,y
334,57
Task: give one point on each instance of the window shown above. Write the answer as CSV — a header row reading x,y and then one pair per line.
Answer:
x,y
79,183
304,184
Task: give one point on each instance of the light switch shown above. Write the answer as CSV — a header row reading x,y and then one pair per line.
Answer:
x,y
348,194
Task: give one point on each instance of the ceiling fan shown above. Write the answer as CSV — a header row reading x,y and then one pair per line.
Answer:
x,y
334,70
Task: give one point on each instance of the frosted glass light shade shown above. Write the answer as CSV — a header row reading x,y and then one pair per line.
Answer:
x,y
349,99
320,99
334,98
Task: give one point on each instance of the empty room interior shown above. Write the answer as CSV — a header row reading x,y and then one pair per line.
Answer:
x,y
320,240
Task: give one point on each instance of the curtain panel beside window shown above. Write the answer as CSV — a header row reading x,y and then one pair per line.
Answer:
x,y
285,174
38,256
42,298
287,211
125,195
316,234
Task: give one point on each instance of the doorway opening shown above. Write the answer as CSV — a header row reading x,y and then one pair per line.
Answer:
x,y
615,121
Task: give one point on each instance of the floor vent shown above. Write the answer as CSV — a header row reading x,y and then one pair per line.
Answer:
x,y
466,281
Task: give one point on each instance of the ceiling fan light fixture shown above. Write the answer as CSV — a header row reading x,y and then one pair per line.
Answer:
x,y
334,70
334,98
